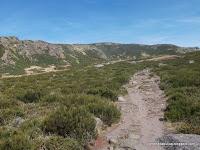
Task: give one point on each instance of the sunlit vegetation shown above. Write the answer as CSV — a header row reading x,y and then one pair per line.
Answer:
x,y
2,51
181,81
59,109
14,140
83,56
74,122
59,143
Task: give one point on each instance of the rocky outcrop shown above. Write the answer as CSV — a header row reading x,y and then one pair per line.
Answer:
x,y
14,49
13,46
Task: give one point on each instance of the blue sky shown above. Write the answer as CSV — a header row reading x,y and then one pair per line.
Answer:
x,y
89,21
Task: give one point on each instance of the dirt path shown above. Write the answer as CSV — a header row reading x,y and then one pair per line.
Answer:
x,y
164,57
141,110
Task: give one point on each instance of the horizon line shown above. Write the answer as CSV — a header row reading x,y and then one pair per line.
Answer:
x,y
90,43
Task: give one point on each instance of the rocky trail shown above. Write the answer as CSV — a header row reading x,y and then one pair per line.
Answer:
x,y
141,124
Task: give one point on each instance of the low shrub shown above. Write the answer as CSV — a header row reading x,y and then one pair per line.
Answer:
x,y
30,96
14,140
188,128
176,96
77,123
98,106
76,100
181,83
122,79
6,103
180,107
32,128
53,97
7,115
104,92
108,113
60,143
77,90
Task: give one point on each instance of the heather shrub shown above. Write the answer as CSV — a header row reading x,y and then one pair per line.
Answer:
x,y
30,96
60,143
108,113
104,92
77,123
14,140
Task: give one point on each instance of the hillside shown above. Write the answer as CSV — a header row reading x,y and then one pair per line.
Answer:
x,y
33,107
180,79
63,109
68,109
17,55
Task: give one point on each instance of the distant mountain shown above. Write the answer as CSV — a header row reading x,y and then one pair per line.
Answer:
x,y
15,54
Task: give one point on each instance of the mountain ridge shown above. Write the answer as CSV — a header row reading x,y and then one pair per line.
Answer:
x,y
19,54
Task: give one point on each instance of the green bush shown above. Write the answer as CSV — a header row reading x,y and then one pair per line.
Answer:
x,y
104,92
76,100
53,97
7,115
176,96
7,103
181,83
122,79
108,113
78,90
32,128
30,96
59,143
189,128
14,140
9,109
74,122
99,107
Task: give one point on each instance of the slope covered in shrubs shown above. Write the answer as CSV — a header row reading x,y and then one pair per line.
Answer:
x,y
74,122
59,109
181,81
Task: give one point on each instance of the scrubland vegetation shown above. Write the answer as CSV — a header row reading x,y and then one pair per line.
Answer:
x,y
180,79
58,110
1,50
